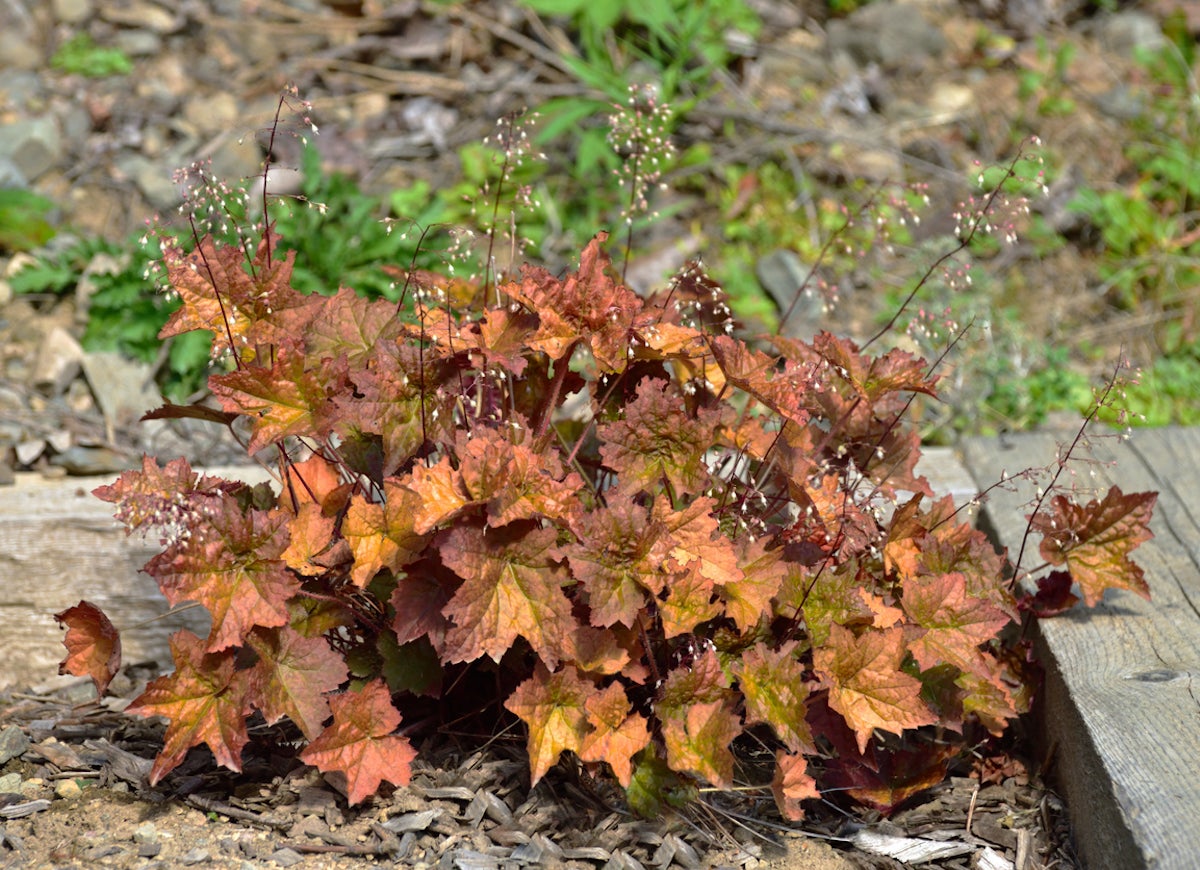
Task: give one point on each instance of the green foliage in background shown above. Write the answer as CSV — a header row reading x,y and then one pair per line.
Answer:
x,y
23,220
80,55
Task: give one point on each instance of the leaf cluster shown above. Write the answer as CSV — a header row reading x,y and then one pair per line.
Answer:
x,y
653,541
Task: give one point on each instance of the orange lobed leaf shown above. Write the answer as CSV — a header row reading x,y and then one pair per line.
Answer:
x,y
93,645
553,708
315,480
382,535
616,735
866,684
205,700
792,784
310,536
656,440
255,306
164,496
955,622
773,684
351,327
440,494
512,587
589,306
618,559
291,676
697,740
748,599
234,568
698,547
514,482
360,743
1094,540
285,399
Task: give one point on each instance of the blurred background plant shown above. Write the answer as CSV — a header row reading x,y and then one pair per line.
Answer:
x,y
850,247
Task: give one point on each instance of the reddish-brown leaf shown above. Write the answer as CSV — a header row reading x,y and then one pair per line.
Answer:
x,y
780,390
697,740
955,622
382,535
552,706
1053,596
360,743
772,682
418,600
792,784
93,645
512,586
162,496
398,397
286,399
234,568
205,700
589,306
616,735
618,560
1094,540
655,440
866,684
253,305
292,675
349,326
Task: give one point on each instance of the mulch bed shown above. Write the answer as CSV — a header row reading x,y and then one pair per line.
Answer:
x,y
468,806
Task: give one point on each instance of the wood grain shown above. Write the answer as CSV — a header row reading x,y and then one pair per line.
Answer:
x,y
60,544
1121,711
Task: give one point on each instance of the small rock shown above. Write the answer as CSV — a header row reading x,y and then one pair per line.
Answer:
x,y
1127,33
11,176
151,178
91,461
71,11
195,856
34,145
124,388
138,43
13,743
145,833
18,53
142,15
286,857
892,34
67,789
58,362
10,783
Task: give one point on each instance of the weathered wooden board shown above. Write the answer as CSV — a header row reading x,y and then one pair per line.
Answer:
x,y
60,544
1122,700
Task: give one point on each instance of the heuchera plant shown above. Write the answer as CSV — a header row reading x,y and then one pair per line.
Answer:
x,y
645,537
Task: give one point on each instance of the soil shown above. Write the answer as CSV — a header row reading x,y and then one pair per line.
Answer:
x,y
398,87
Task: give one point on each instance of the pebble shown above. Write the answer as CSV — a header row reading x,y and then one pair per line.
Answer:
x,y
195,856
286,857
13,743
67,789
34,145
71,11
